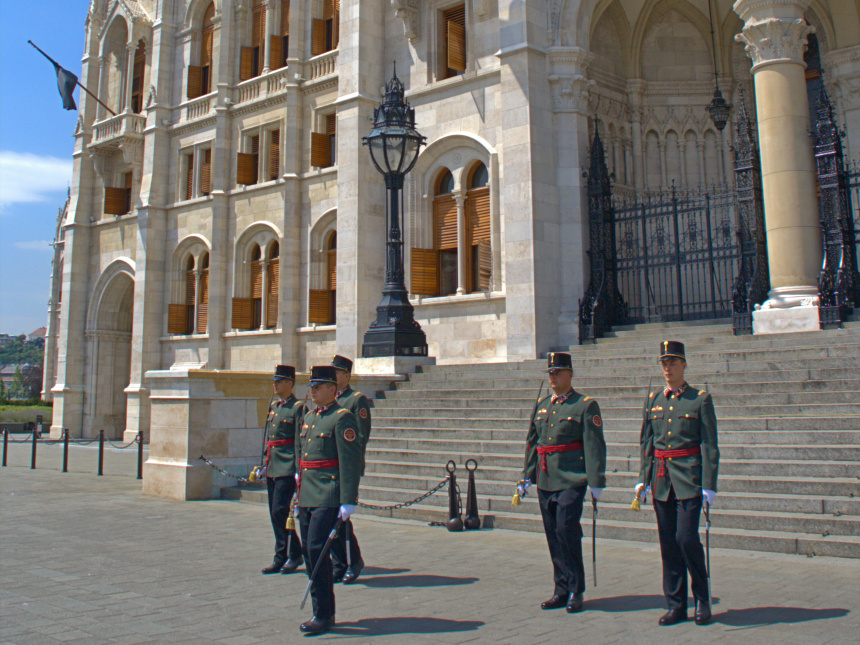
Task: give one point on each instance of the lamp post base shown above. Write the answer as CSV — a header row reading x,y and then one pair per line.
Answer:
x,y
391,341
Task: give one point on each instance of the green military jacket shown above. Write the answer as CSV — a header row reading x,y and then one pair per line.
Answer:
x,y
358,404
330,434
577,419
678,423
283,422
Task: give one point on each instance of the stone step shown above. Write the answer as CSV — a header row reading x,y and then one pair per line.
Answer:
x,y
702,340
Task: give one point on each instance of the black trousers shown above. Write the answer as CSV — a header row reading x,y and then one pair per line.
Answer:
x,y
561,511
338,549
316,524
678,527
287,543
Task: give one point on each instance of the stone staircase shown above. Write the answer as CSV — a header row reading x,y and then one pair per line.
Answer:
x,y
788,408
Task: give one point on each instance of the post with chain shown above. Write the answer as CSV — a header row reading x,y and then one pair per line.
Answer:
x,y
65,450
33,455
5,444
454,523
140,454
472,521
101,452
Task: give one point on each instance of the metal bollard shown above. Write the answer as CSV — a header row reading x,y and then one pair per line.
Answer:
x,y
5,444
472,520
101,452
33,455
65,450
454,522
140,454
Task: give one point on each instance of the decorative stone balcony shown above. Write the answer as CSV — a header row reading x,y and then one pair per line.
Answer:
x,y
110,133
320,66
262,87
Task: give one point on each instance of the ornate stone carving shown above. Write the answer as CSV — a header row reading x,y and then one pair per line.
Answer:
x,y
553,16
570,93
152,98
481,8
409,12
775,40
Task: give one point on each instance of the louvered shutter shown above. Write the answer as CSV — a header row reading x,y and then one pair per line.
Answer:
x,y
246,168
479,215
206,172
272,294
115,201
256,279
190,293
258,25
445,223
246,63
177,319
189,176
485,265
320,150
203,305
274,154
128,180
319,306
195,82
285,17
242,316
425,272
318,37
206,46
456,47
276,52
331,269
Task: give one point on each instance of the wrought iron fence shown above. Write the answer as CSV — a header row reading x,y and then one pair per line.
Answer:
x,y
676,253
853,187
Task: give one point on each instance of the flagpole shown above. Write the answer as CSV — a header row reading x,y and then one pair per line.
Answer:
x,y
77,82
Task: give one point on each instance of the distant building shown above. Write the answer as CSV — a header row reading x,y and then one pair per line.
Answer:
x,y
37,335
5,339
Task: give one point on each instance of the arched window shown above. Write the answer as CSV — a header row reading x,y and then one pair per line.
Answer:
x,y
203,295
200,76
279,43
478,229
256,286
251,61
272,279
180,317
322,308
326,31
138,77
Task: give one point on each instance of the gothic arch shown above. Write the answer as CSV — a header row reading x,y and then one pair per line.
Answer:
x,y
611,13
104,288
190,246
194,13
261,234
320,233
652,12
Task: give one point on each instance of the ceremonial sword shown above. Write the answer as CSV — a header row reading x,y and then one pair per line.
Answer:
x,y
323,555
594,538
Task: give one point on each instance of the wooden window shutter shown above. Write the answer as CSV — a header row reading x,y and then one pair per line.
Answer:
x,y
246,64
128,179
207,46
258,25
479,215
206,172
246,168
319,306
189,176
456,46
274,154
320,150
276,52
177,319
328,9
242,313
189,288
115,201
425,272
203,305
256,279
285,17
272,294
331,269
331,124
318,37
195,82
445,222
485,265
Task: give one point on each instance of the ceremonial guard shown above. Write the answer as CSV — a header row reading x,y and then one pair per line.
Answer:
x,y
329,452
565,451
680,460
346,554
282,425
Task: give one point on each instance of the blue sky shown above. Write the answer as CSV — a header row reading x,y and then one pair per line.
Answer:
x,y
36,147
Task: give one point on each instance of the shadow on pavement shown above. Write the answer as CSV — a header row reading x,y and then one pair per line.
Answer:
x,y
760,616
404,625
375,571
633,603
414,581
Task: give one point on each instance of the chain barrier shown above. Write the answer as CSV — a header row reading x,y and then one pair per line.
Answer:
x,y
244,480
420,498
51,442
124,446
24,440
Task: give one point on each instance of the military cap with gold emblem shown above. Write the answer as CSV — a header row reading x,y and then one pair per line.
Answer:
x,y
672,349
342,363
323,374
558,361
284,372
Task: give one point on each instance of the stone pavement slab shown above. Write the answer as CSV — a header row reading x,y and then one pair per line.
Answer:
x,y
86,559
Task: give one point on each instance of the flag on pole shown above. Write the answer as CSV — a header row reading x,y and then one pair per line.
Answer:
x,y
66,82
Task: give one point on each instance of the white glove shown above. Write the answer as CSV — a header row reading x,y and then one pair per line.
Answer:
x,y
522,489
297,478
345,511
641,490
596,493
709,495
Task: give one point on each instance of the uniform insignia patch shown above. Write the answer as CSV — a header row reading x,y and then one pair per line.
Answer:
x,y
363,413
596,420
349,434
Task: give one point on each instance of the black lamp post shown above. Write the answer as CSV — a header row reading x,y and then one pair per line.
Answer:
x,y
719,109
394,144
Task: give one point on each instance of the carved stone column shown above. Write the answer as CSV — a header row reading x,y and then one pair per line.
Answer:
x,y
462,277
774,35
635,89
129,76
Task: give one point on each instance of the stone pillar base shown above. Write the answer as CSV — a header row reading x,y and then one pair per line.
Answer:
x,y
789,297
785,321
390,365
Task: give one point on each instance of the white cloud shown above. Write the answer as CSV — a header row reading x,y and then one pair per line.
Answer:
x,y
33,245
25,177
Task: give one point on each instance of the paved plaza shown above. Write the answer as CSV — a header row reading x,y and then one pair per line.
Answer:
x,y
90,560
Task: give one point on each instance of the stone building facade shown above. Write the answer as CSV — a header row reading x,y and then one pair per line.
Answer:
x,y
227,217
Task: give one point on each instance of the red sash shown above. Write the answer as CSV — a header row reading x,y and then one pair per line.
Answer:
x,y
275,444
543,451
663,455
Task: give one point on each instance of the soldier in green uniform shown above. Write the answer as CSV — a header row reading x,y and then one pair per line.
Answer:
x,y
346,553
565,451
329,452
282,425
680,460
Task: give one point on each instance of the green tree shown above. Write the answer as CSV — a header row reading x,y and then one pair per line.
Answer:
x,y
18,388
2,392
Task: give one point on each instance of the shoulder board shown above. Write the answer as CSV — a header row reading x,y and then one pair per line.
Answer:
x,y
357,393
701,392
297,403
342,410
587,398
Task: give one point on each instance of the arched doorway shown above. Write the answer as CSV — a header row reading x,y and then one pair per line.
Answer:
x,y
108,340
